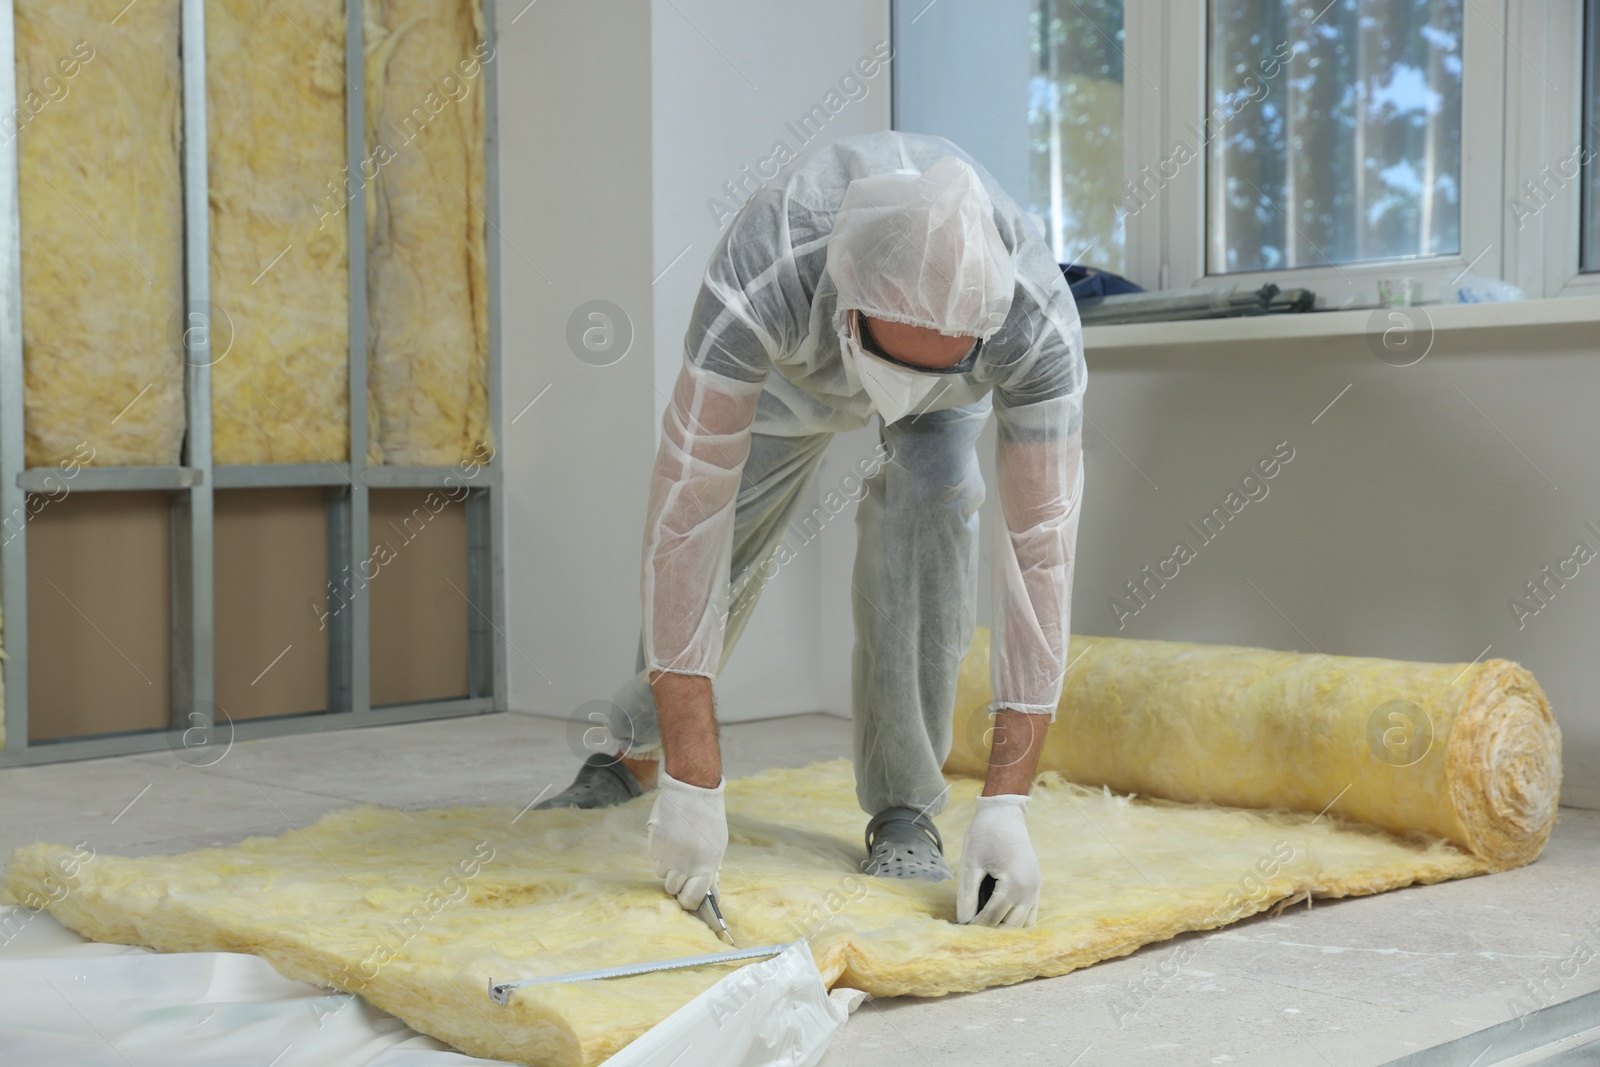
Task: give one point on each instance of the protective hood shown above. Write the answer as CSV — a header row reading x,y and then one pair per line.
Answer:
x,y
922,249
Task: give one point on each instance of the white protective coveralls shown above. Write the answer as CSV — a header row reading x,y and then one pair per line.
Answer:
x,y
771,371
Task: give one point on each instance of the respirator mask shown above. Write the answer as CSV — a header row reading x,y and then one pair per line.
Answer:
x,y
895,387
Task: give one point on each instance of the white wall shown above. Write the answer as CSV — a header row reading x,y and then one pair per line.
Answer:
x,y
1403,525
576,218
732,80
619,121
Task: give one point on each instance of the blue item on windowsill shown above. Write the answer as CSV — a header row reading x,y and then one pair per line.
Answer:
x,y
1087,282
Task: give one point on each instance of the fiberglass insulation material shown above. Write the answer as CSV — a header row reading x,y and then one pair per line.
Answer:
x,y
101,191
417,911
1467,752
280,191
426,263
98,133
280,381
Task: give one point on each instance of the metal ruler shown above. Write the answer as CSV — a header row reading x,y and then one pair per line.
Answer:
x,y
500,992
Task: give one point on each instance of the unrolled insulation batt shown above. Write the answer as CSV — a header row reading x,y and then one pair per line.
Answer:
x,y
279,318
416,911
98,131
427,277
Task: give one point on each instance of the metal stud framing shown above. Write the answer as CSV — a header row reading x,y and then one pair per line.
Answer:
x,y
193,484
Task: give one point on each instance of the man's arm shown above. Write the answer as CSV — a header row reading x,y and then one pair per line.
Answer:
x,y
1038,409
688,728
740,321
1014,756
688,536
1040,463
1040,482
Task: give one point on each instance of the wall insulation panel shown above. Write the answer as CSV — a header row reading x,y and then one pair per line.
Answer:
x,y
279,237
427,266
97,128
279,189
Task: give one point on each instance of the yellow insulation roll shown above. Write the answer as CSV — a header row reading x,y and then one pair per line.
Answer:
x,y
1465,752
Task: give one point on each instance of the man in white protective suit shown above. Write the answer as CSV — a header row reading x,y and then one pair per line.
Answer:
x,y
887,275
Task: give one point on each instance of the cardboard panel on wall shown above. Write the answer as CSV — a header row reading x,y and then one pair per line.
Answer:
x,y
271,581
418,585
99,615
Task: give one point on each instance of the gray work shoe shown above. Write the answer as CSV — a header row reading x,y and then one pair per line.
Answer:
x,y
602,782
904,843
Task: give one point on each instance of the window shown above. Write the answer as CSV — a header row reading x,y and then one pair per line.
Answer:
x,y
1075,129
1336,133
1320,144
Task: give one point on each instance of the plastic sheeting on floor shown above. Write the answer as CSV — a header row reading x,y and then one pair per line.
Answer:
x,y
776,1012
67,1000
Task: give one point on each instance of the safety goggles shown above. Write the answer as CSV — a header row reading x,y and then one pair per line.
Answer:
x,y
870,344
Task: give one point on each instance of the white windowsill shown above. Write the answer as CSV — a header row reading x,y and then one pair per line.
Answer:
x,y
1557,311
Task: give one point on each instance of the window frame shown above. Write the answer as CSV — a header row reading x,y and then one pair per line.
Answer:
x,y
1175,257
1545,250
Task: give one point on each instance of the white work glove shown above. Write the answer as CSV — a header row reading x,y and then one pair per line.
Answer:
x,y
997,845
688,833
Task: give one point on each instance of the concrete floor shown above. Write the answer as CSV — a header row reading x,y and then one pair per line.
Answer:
x,y
1351,982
